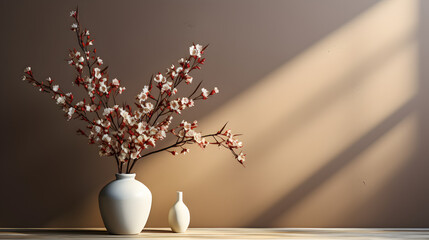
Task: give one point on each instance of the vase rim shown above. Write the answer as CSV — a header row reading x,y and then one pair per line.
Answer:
x,y
125,175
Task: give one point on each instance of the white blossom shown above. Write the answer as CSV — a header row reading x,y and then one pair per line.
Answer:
x,y
184,101
70,112
191,103
189,79
241,157
195,50
80,104
106,138
103,88
115,82
97,129
74,26
107,111
97,73
61,99
159,78
27,69
174,105
187,126
147,107
121,90
166,87
141,127
205,92
134,155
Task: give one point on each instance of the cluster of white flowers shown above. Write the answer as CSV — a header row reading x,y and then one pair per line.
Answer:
x,y
132,137
205,93
180,104
121,131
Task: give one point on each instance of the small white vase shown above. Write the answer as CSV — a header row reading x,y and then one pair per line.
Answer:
x,y
125,205
178,216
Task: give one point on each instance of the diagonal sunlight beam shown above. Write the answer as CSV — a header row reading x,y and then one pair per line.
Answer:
x,y
289,200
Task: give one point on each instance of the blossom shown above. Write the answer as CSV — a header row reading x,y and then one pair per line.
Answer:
x,y
214,91
108,111
159,78
204,93
70,112
97,73
145,90
197,137
134,155
185,151
141,127
115,82
152,131
142,96
99,61
97,129
184,101
189,79
80,104
73,13
147,107
24,78
90,108
103,88
166,87
160,135
81,60
174,105
191,103
241,157
60,99
27,69
195,50
106,138
151,142
74,27
121,90
186,125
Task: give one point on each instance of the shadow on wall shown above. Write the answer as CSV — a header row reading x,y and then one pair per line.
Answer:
x,y
318,87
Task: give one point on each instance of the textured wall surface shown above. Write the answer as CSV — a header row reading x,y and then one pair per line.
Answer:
x,y
331,97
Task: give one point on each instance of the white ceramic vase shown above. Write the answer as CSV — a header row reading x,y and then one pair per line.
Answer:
x,y
125,205
178,216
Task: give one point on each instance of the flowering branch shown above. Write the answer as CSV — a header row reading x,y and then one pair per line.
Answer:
x,y
120,131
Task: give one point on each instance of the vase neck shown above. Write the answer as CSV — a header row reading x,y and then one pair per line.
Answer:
x,y
125,176
179,196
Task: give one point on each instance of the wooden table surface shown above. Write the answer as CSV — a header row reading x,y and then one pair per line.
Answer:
x,y
220,233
